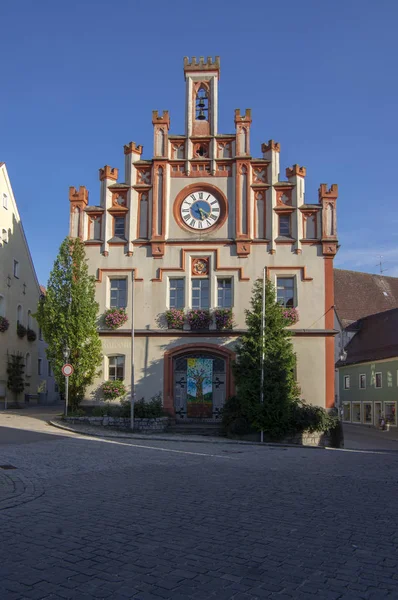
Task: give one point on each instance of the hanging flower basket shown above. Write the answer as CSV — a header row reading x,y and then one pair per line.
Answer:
x,y
4,324
113,389
115,317
223,318
291,315
199,318
21,330
31,335
175,318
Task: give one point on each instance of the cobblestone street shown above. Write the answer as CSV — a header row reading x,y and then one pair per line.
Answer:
x,y
91,518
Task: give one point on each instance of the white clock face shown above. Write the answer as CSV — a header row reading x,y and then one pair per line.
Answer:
x,y
200,210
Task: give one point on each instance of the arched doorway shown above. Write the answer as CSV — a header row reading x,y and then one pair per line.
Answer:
x,y
198,379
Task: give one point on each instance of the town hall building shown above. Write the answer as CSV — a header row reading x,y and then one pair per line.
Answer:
x,y
184,235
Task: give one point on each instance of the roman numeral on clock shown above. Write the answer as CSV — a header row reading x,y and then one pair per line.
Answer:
x,y
200,195
187,217
213,217
200,225
185,210
193,223
193,197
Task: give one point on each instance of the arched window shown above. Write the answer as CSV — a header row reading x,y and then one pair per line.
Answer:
x,y
19,314
29,319
202,105
28,364
2,306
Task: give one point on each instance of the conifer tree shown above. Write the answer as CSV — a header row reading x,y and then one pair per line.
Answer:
x,y
67,315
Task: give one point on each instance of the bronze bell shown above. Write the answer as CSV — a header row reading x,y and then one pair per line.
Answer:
x,y
201,116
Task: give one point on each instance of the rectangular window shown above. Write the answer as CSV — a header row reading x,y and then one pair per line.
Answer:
x,y
356,412
200,293
5,201
379,381
39,366
390,412
118,293
346,382
95,228
285,291
367,413
116,367
284,225
119,226
362,381
49,370
16,269
177,293
224,293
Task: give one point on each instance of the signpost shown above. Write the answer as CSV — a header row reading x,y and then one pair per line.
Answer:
x,y
67,371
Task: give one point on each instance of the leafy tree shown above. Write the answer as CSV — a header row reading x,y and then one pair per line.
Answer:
x,y
15,371
67,315
280,389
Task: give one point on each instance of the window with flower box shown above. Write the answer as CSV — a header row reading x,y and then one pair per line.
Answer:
x,y
177,293
116,367
200,293
118,293
285,292
224,292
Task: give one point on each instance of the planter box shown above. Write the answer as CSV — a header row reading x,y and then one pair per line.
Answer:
x,y
143,425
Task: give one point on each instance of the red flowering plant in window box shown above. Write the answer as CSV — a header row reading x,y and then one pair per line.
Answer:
x,y
115,317
4,324
175,318
291,314
223,318
113,389
199,318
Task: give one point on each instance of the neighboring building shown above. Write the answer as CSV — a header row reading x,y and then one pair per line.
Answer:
x,y
197,224
358,295
19,295
369,374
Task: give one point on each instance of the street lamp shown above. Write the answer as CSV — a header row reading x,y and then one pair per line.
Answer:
x,y
343,355
66,354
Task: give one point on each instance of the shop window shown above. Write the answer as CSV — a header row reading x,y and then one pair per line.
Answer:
x,y
368,413
362,381
177,293
346,382
390,413
224,293
379,380
356,412
284,225
285,291
116,367
120,226
118,293
347,412
200,293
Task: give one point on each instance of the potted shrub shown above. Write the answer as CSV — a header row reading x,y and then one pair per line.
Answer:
x,y
223,318
291,314
4,324
31,335
113,389
21,330
199,318
175,318
115,317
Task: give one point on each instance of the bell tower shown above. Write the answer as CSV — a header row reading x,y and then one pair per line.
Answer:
x,y
201,108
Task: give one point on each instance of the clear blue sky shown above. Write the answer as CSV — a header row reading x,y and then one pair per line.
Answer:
x,y
80,79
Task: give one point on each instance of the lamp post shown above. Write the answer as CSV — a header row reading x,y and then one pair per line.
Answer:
x,y
262,348
66,354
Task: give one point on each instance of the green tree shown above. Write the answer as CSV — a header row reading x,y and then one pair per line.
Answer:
x,y
67,314
15,371
281,392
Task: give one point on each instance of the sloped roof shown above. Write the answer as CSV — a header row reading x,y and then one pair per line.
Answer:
x,y
358,295
376,338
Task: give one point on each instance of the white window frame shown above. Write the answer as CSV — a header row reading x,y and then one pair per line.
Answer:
x,y
231,279
371,412
343,419
378,387
193,280
169,280
346,377
359,381
109,357
390,402
115,278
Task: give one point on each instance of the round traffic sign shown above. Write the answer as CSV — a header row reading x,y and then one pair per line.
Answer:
x,y
67,370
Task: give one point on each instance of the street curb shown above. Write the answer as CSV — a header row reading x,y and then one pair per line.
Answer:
x,y
162,438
